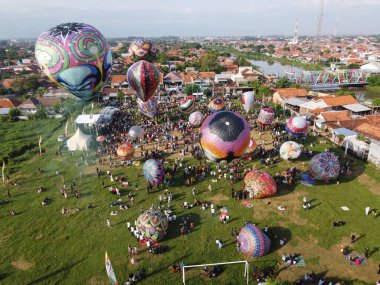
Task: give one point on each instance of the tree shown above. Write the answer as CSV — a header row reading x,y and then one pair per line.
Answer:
x,y
120,95
207,92
41,91
374,80
353,66
286,48
13,114
376,102
209,62
283,82
41,113
242,61
162,58
270,48
190,89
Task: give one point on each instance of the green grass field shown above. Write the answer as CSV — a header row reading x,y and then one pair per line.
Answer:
x,y
40,246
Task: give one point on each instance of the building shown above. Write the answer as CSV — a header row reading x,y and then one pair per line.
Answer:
x,y
119,81
334,116
357,109
337,103
282,94
310,106
7,104
31,105
173,80
372,67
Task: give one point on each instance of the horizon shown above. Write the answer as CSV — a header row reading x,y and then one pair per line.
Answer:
x,y
196,19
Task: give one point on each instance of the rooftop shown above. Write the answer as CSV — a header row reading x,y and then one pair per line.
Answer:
x,y
356,107
292,92
336,116
340,100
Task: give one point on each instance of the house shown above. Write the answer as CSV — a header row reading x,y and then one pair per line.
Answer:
x,y
309,106
6,104
222,79
337,103
340,134
31,105
372,67
119,81
172,80
334,116
286,93
374,153
294,104
357,109
368,130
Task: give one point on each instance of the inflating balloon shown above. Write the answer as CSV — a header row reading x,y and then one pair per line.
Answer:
x,y
75,56
266,116
136,132
253,241
224,136
297,126
248,99
259,184
125,151
290,150
144,78
196,118
148,108
141,48
324,166
154,171
252,147
187,105
152,225
216,105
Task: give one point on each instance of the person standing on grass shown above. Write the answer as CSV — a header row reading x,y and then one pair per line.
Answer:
x,y
108,222
210,187
353,238
367,209
366,252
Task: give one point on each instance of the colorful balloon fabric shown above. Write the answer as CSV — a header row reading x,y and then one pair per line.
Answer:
x,y
324,166
141,48
136,132
259,184
100,138
253,241
144,78
297,126
152,225
75,56
248,99
216,105
252,147
196,118
148,108
290,150
125,151
154,171
266,116
187,105
224,136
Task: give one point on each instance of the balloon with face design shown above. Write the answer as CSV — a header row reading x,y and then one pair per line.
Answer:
x,y
76,56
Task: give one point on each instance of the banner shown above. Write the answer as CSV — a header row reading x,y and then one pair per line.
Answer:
x,y
110,272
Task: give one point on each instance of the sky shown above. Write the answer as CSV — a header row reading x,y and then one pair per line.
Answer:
x,y
153,18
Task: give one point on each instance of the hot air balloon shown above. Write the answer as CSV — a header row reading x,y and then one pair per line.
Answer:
x,y
324,166
216,105
290,150
253,241
252,147
148,108
188,104
152,225
259,184
75,56
144,78
154,171
100,138
297,126
248,99
136,132
196,118
266,116
125,151
224,136
141,48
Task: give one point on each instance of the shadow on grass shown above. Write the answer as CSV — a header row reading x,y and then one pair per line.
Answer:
x,y
59,271
175,226
4,276
277,233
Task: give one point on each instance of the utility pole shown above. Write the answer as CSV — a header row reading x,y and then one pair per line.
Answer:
x,y
336,25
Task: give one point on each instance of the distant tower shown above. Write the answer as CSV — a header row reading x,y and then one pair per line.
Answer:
x,y
294,41
336,25
319,23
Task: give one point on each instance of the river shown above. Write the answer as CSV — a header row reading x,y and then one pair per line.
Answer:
x,y
275,68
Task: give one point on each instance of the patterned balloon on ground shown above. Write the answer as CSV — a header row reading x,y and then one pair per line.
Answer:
x,y
324,166
297,126
217,105
144,78
266,116
136,132
225,135
152,225
148,108
154,171
290,150
187,105
259,184
196,118
141,48
75,56
125,151
248,99
253,241
252,147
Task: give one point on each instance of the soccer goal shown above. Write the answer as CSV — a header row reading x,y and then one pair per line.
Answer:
x,y
246,268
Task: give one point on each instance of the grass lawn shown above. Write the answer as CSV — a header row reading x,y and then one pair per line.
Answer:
x,y
40,246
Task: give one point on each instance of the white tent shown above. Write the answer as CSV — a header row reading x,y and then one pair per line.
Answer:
x,y
79,141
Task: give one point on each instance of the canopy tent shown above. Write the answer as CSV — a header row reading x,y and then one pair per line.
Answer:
x,y
79,141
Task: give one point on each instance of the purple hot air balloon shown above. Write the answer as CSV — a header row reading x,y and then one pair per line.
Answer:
x,y
253,241
144,79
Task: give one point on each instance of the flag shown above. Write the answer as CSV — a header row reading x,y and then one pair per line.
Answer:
x,y
110,272
67,125
3,172
39,144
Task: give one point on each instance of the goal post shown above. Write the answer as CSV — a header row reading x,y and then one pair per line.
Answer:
x,y
246,268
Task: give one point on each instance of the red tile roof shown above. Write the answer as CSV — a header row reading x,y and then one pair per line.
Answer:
x,y
287,93
7,83
9,103
118,78
339,100
336,116
369,131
